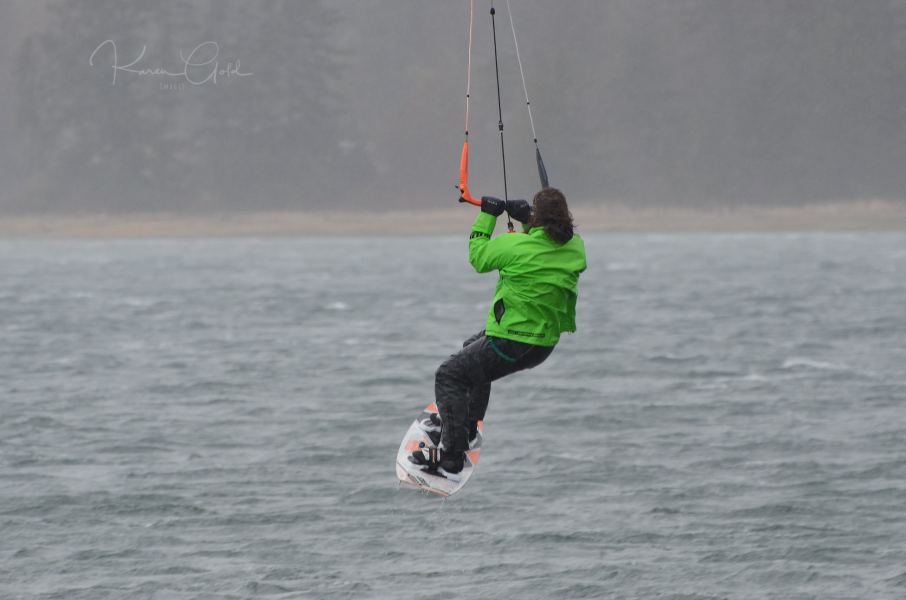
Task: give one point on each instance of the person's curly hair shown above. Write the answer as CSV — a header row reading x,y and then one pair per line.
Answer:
x,y
550,212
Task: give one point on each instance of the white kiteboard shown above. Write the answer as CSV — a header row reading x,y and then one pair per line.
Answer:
x,y
422,477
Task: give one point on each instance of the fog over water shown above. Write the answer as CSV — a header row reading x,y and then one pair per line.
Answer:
x,y
354,104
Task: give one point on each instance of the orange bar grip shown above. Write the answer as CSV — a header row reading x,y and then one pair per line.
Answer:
x,y
464,194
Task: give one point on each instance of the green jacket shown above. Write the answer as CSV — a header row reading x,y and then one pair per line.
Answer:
x,y
535,298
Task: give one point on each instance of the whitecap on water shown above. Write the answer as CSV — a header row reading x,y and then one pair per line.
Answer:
x,y
793,363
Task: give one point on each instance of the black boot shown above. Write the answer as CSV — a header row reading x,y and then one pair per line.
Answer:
x,y
432,423
473,432
451,464
440,462
430,461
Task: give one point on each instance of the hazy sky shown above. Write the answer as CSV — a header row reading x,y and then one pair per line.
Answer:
x,y
360,104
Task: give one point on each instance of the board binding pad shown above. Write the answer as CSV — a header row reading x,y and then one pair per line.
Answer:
x,y
420,476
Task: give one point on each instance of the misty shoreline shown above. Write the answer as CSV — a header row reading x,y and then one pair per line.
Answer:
x,y
848,216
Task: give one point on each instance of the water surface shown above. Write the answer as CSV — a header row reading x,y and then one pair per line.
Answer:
x,y
219,419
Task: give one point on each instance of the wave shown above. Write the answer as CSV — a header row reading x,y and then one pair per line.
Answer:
x,y
808,363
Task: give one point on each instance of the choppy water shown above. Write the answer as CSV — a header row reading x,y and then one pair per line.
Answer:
x,y
218,419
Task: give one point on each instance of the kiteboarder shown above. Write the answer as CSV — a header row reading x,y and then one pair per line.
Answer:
x,y
534,302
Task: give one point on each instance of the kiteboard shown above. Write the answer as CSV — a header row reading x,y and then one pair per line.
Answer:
x,y
423,436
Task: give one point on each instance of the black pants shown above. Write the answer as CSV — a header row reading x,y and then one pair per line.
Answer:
x,y
462,384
